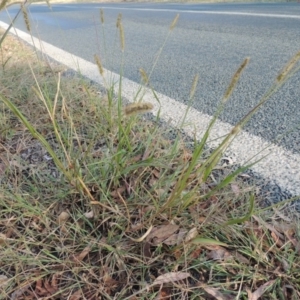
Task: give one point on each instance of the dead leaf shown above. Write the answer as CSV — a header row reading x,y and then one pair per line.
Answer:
x,y
191,234
160,192
164,294
62,218
161,233
120,190
219,253
51,289
3,281
276,239
239,257
285,265
156,173
175,238
89,214
170,277
196,253
146,250
260,291
217,294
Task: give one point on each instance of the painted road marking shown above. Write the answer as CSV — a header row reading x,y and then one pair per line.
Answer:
x,y
230,13
281,166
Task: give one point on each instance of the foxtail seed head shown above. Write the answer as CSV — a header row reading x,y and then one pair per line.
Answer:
x,y
122,38
25,16
174,22
138,108
289,66
235,79
99,64
144,76
101,15
3,4
119,19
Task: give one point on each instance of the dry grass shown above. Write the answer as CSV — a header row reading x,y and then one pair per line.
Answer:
x,y
118,211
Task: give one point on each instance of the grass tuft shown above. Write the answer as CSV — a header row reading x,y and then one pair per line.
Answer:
x,y
96,202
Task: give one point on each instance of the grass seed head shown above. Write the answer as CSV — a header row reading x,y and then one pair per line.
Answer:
x,y
25,16
119,19
101,15
122,38
138,108
174,22
144,76
235,79
289,66
3,4
99,64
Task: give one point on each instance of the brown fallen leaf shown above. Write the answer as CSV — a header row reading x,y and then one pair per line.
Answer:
x,y
3,281
156,173
147,250
175,238
48,286
170,277
89,214
62,218
196,253
120,190
191,234
276,239
239,257
164,294
219,253
161,233
260,291
217,294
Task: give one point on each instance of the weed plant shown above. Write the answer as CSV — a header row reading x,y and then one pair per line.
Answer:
x,y
95,202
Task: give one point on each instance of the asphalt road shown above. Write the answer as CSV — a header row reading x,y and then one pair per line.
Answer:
x,y
210,40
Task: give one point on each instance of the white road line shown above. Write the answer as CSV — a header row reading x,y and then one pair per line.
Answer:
x,y
230,13
282,166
